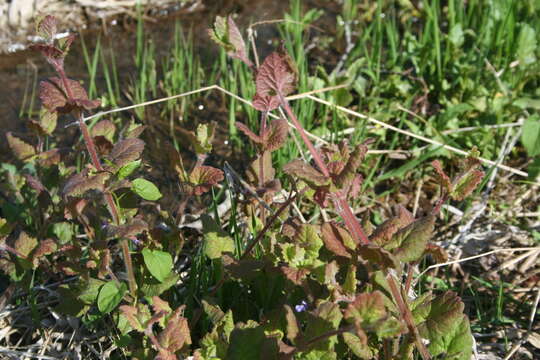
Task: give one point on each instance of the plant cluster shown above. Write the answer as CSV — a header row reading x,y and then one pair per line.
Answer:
x,y
279,287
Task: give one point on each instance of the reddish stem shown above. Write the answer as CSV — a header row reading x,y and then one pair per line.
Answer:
x,y
341,205
407,316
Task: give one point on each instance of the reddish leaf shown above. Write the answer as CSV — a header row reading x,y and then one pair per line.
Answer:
x,y
202,178
347,175
159,305
35,183
275,135
176,334
54,96
46,27
265,103
306,172
21,150
45,247
412,240
437,253
49,158
366,309
275,76
104,128
443,178
25,244
136,316
333,240
297,276
250,134
135,227
226,34
464,185
383,233
103,146
377,255
126,151
78,184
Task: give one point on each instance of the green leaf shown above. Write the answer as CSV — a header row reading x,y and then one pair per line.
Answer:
x,y
526,45
456,35
63,231
145,189
110,296
216,241
412,240
366,309
531,135
249,342
325,318
152,287
90,290
448,329
159,263
358,346
128,169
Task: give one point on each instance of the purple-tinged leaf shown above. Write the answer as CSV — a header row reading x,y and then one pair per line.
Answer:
x,y
347,175
103,145
202,178
377,255
275,135
159,305
25,244
250,134
265,103
47,27
437,253
45,247
296,276
333,238
464,185
136,316
176,333
104,128
443,178
134,227
367,309
79,183
35,183
383,233
412,240
275,76
126,151
54,96
306,172
49,158
227,35
22,150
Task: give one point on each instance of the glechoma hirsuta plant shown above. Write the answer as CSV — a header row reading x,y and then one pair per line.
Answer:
x,y
333,290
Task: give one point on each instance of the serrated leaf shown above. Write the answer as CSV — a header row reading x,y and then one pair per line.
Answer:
x,y
216,241
265,103
306,172
202,178
358,345
45,247
159,263
334,239
377,255
275,76
226,34
176,334
443,178
128,169
250,134
464,185
412,240
145,189
21,150
134,227
347,175
293,328
48,120
46,27
275,135
326,317
137,316
54,97
25,244
78,184
126,151
447,328
104,128
530,137
110,296
366,309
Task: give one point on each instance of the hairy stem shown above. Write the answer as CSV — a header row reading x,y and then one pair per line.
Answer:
x,y
262,130
111,205
341,205
407,316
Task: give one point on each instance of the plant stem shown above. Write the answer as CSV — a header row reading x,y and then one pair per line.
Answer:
x,y
340,203
262,130
407,316
91,148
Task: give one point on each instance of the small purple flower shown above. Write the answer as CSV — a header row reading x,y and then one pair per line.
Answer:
x,y
301,307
